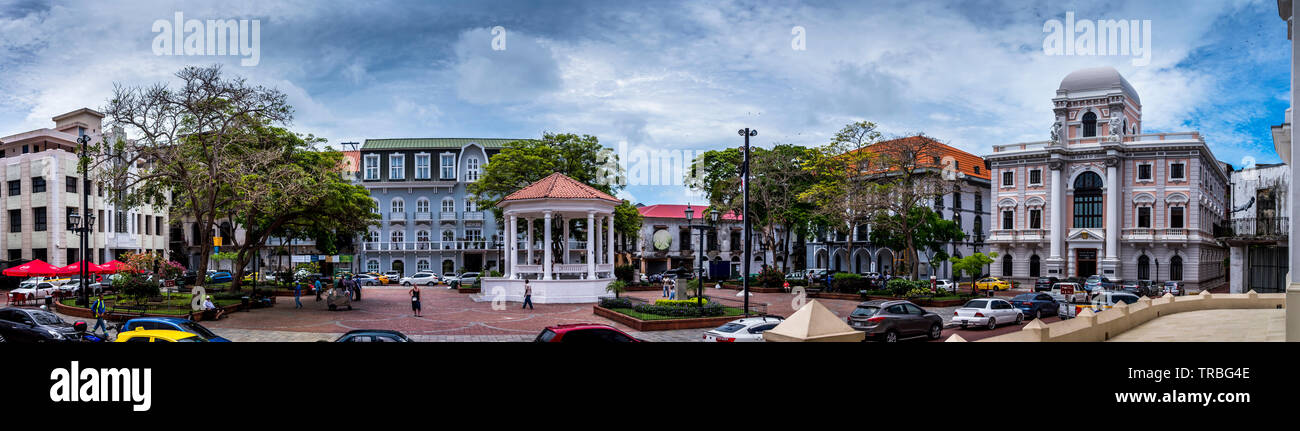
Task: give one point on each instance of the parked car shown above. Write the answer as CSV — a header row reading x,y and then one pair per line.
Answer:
x,y
1097,282
743,330
1043,284
1075,292
1105,300
420,278
590,333
221,277
383,279
1139,288
891,321
796,275
33,326
171,324
992,283
141,335
468,278
1037,305
393,275
1174,288
367,280
987,313
373,336
945,284
38,290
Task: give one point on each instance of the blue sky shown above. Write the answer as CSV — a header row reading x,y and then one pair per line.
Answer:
x,y
667,74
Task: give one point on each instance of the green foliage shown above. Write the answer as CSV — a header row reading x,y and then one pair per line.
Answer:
x,y
627,220
708,310
900,286
682,302
615,302
624,273
771,277
135,286
848,282
616,287
524,162
972,265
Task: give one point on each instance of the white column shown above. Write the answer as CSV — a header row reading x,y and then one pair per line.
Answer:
x,y
564,244
546,247
1056,229
512,231
528,238
1112,215
591,240
596,236
1293,242
610,234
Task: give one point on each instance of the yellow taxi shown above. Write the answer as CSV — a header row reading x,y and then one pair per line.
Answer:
x,y
141,335
383,279
992,283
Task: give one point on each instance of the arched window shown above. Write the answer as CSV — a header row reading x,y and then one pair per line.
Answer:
x,y
373,236
1007,265
397,236
422,205
422,265
448,205
1144,267
1089,125
1087,200
471,169
398,205
1176,268
422,238
372,265
448,266
1035,265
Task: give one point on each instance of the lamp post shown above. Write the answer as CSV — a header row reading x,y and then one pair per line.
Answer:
x,y
744,185
82,225
699,253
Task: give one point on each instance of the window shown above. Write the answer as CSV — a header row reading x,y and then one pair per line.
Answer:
x,y
1035,218
38,219
1176,217
448,205
979,201
70,184
1176,268
1144,267
15,188
397,236
1008,220
956,200
1177,171
15,221
1008,178
372,166
1035,177
470,206
1089,125
397,166
422,265
474,234
422,236
38,184
471,169
1144,217
422,205
421,166
1144,172
1087,200
100,221
372,236
372,265
448,236
1007,265
398,205
448,166
977,169
1035,268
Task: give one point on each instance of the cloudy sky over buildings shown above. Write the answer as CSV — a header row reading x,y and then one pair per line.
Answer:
x,y
666,74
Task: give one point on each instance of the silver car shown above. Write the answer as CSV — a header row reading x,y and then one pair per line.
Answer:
x,y
749,329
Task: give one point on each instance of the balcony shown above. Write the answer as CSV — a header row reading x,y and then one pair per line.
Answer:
x,y
397,217
473,216
426,246
424,217
447,216
1259,230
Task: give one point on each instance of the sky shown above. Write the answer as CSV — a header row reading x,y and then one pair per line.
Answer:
x,y
668,75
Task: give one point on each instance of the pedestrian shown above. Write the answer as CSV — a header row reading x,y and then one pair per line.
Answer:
x,y
97,308
528,295
672,292
297,295
318,290
666,281
415,299
355,285
830,278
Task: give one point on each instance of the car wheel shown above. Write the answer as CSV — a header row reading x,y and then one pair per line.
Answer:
x,y
407,284
935,331
891,336
429,284
993,323
1020,318
1038,314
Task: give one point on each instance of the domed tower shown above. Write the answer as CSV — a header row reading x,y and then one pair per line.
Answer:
x,y
1097,104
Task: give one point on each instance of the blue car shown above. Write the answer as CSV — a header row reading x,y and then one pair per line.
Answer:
x,y
171,324
221,277
1036,305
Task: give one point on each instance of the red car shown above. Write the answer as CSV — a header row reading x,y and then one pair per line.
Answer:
x,y
591,333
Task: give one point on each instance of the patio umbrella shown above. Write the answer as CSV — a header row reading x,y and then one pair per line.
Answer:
x,y
76,268
109,267
35,268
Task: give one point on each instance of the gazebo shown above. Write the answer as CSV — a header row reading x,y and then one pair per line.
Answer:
x,y
573,268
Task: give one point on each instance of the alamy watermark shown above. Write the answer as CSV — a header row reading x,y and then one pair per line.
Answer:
x,y
1100,38
211,37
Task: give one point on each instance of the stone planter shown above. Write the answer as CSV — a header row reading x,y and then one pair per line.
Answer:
x,y
662,325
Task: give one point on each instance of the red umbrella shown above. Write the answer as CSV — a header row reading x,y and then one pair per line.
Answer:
x,y
76,267
110,267
34,268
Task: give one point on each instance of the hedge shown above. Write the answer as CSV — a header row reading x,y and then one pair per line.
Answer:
x,y
681,302
708,310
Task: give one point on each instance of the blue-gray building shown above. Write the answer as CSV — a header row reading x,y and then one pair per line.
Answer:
x,y
429,221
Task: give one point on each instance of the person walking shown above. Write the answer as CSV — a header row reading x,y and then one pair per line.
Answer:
x,y
528,295
352,281
672,288
97,308
666,281
318,290
297,295
415,299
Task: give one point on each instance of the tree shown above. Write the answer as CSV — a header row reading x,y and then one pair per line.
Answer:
x,y
973,264
930,234
186,144
902,175
627,223
839,194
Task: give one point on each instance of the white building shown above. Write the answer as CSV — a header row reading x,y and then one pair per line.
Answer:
x,y
1257,229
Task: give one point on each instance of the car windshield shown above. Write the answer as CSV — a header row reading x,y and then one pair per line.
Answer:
x,y
866,311
978,303
197,329
730,327
46,318
191,340
546,336
1025,297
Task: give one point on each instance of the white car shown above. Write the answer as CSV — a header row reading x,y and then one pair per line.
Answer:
x,y
1079,294
38,290
420,278
367,280
393,275
945,284
987,312
749,329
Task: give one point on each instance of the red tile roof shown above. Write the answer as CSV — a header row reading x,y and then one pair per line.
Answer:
x,y
679,211
559,186
966,162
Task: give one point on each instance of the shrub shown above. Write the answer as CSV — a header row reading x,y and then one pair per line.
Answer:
x,y
623,272
708,310
917,292
135,287
615,303
681,302
900,286
798,282
771,277
848,282
616,287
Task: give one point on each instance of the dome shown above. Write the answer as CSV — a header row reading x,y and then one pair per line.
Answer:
x,y
1098,78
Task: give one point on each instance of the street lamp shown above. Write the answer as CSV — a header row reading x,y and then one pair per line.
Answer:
x,y
82,225
699,271
744,185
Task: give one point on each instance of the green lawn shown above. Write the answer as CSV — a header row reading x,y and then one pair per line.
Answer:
x,y
728,311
